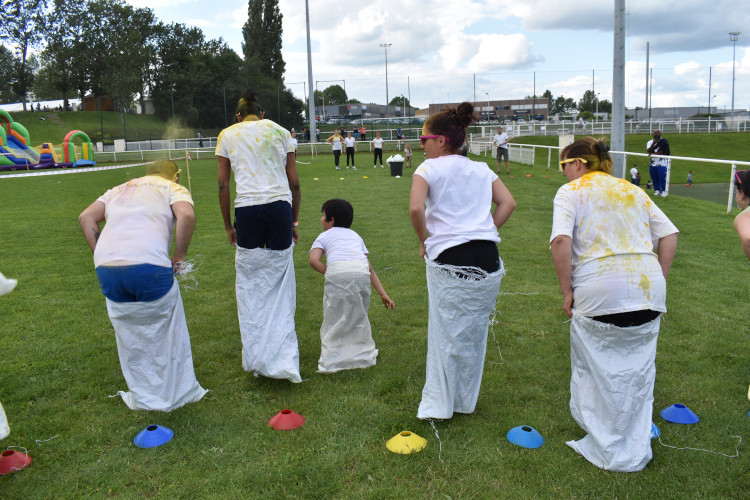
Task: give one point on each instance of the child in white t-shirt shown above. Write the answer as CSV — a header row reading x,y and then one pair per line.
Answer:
x,y
407,152
345,335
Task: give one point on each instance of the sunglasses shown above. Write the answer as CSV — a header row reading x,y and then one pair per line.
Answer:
x,y
424,138
571,160
737,177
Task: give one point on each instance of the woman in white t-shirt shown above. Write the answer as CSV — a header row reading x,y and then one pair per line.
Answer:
x,y
377,149
336,141
458,236
612,248
351,148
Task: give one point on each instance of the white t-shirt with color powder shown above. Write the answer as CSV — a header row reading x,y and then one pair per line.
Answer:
x,y
257,152
458,202
140,221
614,226
341,244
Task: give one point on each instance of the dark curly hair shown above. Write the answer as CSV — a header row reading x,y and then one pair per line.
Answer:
x,y
341,211
249,105
742,181
452,124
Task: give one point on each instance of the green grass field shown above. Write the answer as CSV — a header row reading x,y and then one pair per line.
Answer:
x,y
59,362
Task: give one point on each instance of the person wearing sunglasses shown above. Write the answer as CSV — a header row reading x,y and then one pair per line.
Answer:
x,y
451,211
612,248
742,197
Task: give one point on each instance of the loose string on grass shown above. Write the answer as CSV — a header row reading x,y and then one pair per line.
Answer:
x,y
440,450
38,441
185,272
736,449
493,322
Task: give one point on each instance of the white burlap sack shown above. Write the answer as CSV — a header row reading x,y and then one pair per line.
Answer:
x,y
345,335
154,348
4,428
266,301
612,391
459,315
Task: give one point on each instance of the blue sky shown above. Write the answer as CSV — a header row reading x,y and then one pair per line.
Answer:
x,y
440,48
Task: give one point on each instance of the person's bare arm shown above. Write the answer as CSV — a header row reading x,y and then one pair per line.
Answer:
x,y
504,203
666,248
90,220
183,232
293,178
224,174
384,298
316,260
417,198
562,252
742,226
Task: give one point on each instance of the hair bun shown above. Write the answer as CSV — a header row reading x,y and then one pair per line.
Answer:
x,y
465,113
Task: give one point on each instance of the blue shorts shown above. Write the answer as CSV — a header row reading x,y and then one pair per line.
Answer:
x,y
137,283
264,226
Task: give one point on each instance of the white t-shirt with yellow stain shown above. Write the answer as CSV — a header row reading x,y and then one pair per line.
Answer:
x,y
614,226
140,222
257,153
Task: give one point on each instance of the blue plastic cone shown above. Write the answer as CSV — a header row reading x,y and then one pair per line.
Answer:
x,y
153,436
655,432
679,414
525,436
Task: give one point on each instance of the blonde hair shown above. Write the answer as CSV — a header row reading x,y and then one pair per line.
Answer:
x,y
165,169
594,151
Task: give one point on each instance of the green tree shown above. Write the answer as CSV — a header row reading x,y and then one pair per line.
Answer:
x,y
335,94
562,105
262,40
22,23
587,102
8,75
400,100
56,77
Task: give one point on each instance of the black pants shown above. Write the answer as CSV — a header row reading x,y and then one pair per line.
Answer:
x,y
378,153
476,253
264,226
349,152
336,155
631,318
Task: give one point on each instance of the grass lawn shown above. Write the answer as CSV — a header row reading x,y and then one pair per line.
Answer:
x,y
60,362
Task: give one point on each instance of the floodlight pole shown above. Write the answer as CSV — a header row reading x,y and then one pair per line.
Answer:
x,y
733,37
387,118
310,100
617,137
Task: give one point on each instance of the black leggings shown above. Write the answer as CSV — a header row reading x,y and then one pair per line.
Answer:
x,y
336,156
349,152
378,152
476,253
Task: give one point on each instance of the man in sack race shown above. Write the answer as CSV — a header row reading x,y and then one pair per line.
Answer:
x,y
260,154
137,277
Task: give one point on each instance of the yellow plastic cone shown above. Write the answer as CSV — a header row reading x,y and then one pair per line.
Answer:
x,y
405,443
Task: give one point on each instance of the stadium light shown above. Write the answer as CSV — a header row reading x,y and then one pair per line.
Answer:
x,y
387,118
733,37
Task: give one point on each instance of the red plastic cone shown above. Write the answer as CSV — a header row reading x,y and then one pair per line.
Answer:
x,y
286,420
12,461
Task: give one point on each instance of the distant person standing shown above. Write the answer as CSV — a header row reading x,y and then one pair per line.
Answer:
x,y
336,142
363,132
294,141
634,177
351,148
501,141
690,179
658,166
377,150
